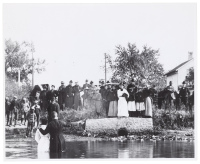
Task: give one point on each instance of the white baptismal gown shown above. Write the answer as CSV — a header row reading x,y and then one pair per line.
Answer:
x,y
43,143
122,103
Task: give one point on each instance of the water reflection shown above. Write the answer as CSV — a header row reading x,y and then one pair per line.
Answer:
x,y
108,149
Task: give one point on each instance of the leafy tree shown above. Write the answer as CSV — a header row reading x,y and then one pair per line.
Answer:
x,y
190,76
17,58
142,66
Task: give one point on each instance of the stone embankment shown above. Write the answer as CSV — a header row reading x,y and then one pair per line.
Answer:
x,y
113,125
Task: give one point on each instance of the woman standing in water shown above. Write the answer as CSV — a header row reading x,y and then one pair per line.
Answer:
x,y
43,141
122,103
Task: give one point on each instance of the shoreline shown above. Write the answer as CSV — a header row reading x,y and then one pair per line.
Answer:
x,y
18,134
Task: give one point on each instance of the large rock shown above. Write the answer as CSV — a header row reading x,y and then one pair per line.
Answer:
x,y
112,125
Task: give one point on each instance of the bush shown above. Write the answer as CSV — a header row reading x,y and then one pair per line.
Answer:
x,y
88,112
12,89
174,120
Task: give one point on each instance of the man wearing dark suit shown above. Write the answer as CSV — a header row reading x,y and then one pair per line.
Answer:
x,y
69,91
184,93
57,141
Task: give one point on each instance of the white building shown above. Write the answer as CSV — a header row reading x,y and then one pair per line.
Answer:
x,y
178,74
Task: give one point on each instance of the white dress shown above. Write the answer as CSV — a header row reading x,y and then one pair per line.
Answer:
x,y
43,143
122,103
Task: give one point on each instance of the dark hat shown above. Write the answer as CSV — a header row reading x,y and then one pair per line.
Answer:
x,y
183,82
124,82
91,82
86,80
45,87
53,86
108,82
71,81
62,82
132,80
102,82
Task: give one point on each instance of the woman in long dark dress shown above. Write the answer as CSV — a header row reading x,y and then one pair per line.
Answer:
x,y
148,102
57,141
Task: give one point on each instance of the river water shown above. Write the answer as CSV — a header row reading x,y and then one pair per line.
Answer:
x,y
107,149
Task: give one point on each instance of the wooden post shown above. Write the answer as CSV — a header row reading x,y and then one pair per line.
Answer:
x,y
105,68
32,71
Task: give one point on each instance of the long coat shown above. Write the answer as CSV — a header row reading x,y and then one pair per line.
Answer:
x,y
113,108
77,98
57,141
61,95
43,99
69,100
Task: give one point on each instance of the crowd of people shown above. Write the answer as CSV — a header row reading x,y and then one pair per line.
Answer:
x,y
114,99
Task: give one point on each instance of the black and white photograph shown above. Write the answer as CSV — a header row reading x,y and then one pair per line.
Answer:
x,y
99,81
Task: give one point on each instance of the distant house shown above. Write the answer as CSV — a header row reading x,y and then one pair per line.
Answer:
x,y
178,74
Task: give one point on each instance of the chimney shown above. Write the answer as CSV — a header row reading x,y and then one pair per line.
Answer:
x,y
190,55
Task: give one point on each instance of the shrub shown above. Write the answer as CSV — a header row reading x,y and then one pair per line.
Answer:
x,y
12,88
173,120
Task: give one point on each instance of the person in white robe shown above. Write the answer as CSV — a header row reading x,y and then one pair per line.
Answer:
x,y
43,141
122,103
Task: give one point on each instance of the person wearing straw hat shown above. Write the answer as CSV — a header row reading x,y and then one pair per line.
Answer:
x,y
122,103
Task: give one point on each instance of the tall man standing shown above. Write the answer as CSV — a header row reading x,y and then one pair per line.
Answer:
x,y
85,88
69,101
43,99
184,93
77,97
61,95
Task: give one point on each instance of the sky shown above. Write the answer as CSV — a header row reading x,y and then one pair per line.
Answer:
x,y
73,38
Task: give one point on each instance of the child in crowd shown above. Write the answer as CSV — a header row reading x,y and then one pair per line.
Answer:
x,y
37,110
31,117
24,110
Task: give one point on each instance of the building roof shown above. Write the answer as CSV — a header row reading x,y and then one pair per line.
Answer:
x,y
174,70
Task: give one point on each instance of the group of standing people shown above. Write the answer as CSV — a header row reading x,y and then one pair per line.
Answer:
x,y
131,102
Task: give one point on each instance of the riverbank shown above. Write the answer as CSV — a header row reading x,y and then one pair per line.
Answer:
x,y
18,134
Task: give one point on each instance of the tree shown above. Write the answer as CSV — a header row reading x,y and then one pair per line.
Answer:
x,y
190,76
143,67
17,58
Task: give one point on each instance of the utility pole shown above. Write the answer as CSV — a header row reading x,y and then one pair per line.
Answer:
x,y
105,68
32,69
